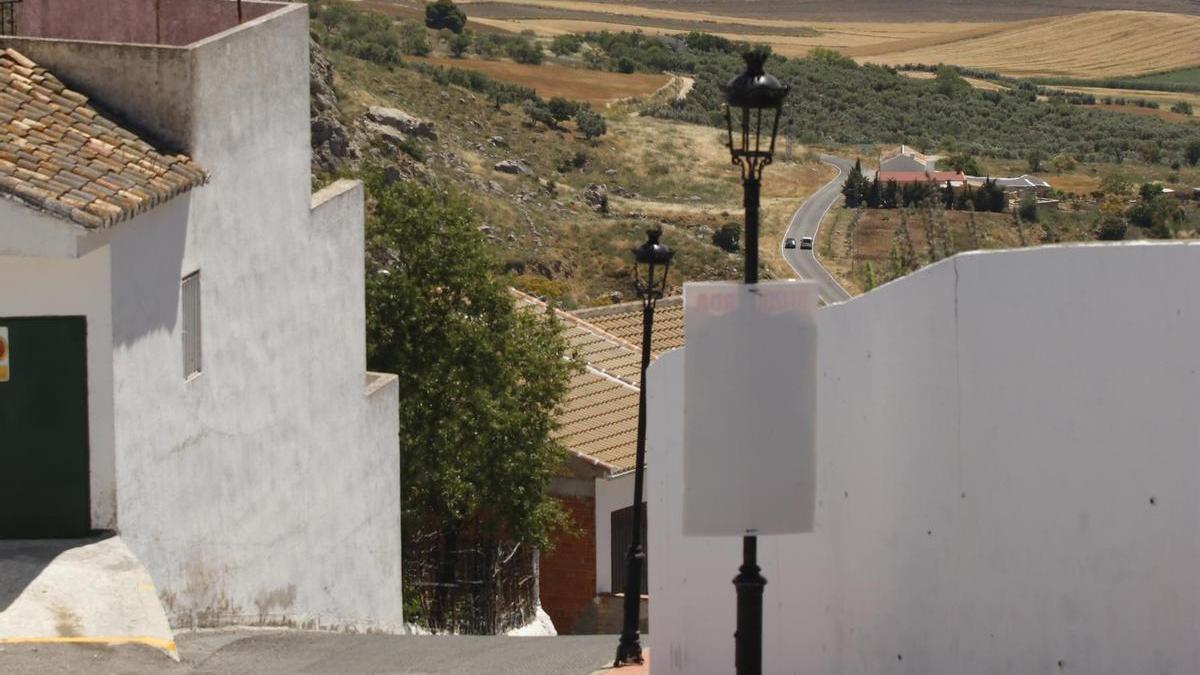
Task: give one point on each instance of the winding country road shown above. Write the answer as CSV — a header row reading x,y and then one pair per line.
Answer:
x,y
805,222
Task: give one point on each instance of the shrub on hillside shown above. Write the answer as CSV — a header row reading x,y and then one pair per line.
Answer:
x,y
459,43
1111,229
590,124
445,14
728,237
567,43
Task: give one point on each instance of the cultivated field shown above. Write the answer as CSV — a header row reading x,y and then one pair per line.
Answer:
x,y
1095,44
922,10
1166,98
599,88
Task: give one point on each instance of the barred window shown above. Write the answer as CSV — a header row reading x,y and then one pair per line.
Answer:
x,y
190,303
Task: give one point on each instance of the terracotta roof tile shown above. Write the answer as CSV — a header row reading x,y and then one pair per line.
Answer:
x,y
625,321
599,416
57,153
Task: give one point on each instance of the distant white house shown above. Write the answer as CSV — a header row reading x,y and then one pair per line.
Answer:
x,y
184,320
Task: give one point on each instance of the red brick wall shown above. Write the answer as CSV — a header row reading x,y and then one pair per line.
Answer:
x,y
568,572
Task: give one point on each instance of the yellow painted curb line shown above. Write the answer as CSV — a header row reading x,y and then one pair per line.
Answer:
x,y
167,646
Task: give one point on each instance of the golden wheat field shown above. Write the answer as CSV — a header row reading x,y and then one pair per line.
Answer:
x,y
1090,44
1094,44
789,37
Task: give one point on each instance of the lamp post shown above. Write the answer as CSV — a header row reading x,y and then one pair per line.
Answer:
x,y
653,256
749,98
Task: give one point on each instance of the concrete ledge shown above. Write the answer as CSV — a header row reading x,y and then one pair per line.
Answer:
x,y
83,591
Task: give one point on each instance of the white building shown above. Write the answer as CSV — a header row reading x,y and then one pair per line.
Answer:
x,y
1008,463
185,320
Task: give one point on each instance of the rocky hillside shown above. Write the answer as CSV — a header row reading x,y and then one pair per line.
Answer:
x,y
562,211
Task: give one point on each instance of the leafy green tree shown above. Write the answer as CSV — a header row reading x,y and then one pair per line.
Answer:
x,y
1191,153
1035,159
891,194
479,378
590,124
445,14
562,109
1027,209
1111,228
414,40
852,189
567,43
1182,107
459,43
1061,163
539,112
524,50
874,195
1116,183
965,163
948,82
728,237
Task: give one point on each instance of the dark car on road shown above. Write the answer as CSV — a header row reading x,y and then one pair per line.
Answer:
x,y
789,243
806,243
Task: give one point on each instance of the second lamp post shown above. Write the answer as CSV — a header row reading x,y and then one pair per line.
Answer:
x,y
650,258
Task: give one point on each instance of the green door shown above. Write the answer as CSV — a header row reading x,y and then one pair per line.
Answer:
x,y
44,429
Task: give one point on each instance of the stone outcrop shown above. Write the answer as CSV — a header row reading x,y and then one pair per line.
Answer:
x,y
512,166
331,143
402,122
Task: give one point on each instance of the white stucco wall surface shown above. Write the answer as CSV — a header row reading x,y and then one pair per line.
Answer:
x,y
1007,480
612,494
265,489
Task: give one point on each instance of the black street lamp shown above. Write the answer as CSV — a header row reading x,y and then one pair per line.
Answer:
x,y
751,99
652,255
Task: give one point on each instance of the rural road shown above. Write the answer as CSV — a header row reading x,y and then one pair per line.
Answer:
x,y
805,222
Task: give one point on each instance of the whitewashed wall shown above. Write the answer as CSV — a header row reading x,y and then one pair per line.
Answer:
x,y
265,490
612,494
1009,480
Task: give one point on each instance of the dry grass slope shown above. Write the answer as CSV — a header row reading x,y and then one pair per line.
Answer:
x,y
1093,44
599,88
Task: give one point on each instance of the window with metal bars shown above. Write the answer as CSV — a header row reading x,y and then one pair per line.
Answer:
x,y
190,304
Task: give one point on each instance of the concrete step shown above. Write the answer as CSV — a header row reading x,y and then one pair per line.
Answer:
x,y
606,616
89,591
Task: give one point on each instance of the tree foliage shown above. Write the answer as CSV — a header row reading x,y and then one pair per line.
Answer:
x,y
590,124
479,379
728,237
565,44
441,14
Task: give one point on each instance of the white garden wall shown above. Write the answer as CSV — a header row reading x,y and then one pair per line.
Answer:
x,y
1008,481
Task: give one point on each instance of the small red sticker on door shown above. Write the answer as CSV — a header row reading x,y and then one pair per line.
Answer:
x,y
3,354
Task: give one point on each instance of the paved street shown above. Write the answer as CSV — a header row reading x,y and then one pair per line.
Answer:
x,y
267,652
805,222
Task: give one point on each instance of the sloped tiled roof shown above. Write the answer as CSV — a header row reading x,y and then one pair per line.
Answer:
x,y
58,154
599,419
625,321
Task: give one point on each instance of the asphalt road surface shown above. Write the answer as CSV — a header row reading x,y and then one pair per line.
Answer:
x,y
270,652
805,222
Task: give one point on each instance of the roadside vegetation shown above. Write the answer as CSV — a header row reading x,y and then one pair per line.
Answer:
x,y
480,383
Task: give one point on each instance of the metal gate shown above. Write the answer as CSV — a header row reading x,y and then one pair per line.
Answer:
x,y
44,491
622,535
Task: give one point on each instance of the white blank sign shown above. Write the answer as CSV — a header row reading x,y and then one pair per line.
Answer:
x,y
750,397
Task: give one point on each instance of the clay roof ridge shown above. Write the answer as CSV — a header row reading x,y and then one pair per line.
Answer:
x,y
570,318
